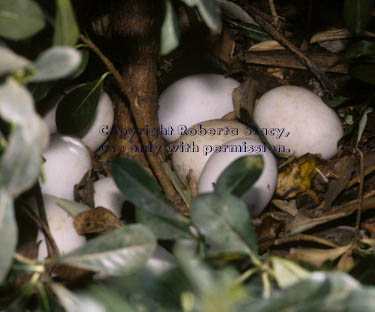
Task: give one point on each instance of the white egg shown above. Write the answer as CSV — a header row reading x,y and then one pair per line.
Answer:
x,y
311,125
192,150
93,136
61,227
67,160
259,195
194,99
108,195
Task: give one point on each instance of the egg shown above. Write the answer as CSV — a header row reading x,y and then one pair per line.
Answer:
x,y
194,99
108,195
259,195
299,121
66,161
194,148
92,137
61,228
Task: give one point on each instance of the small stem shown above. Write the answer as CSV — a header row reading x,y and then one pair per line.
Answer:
x,y
266,285
273,12
244,276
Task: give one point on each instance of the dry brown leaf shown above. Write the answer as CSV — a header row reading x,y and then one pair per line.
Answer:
x,y
346,262
296,177
317,256
244,96
98,220
344,169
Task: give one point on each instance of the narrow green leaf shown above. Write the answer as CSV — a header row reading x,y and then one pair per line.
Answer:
x,y
144,192
170,32
10,61
210,12
225,221
77,109
122,251
20,19
8,232
357,14
240,175
66,28
56,63
364,72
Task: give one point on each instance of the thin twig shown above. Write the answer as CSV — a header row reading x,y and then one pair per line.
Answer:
x,y
328,86
273,12
360,195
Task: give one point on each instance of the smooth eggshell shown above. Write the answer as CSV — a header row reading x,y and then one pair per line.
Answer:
x,y
313,127
67,160
108,195
259,195
194,99
183,159
61,227
93,137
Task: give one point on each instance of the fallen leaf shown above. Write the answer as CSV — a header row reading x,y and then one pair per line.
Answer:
x,y
317,256
97,220
296,177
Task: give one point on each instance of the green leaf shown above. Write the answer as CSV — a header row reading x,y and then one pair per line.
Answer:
x,y
357,14
77,109
20,19
163,228
336,101
20,162
66,28
8,232
111,300
319,292
11,61
56,63
122,251
71,207
210,12
85,56
16,103
225,221
144,192
240,175
358,49
234,11
364,72
287,273
72,302
170,31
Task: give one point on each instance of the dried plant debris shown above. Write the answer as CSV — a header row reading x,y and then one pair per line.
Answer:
x,y
97,220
